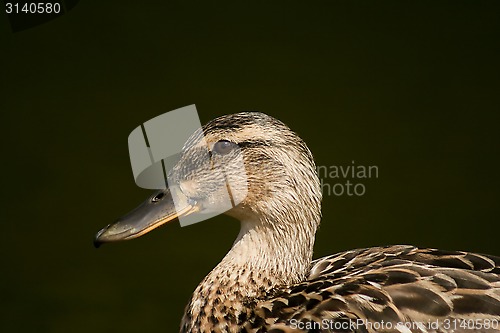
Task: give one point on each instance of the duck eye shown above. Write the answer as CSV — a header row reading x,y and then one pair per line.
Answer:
x,y
223,147
158,197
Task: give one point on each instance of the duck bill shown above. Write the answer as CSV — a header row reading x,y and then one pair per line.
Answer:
x,y
157,210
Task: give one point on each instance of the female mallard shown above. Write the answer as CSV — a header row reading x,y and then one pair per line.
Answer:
x,y
268,281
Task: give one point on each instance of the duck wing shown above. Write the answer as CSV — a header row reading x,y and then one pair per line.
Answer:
x,y
389,289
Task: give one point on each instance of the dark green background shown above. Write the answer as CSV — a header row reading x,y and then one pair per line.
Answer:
x,y
412,87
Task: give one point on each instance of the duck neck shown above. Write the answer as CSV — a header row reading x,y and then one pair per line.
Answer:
x,y
263,257
275,251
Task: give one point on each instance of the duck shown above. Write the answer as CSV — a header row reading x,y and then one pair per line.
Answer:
x,y
269,282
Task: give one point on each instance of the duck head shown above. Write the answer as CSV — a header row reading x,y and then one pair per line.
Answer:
x,y
265,170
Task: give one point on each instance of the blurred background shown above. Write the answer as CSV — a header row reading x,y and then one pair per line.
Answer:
x,y
409,87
